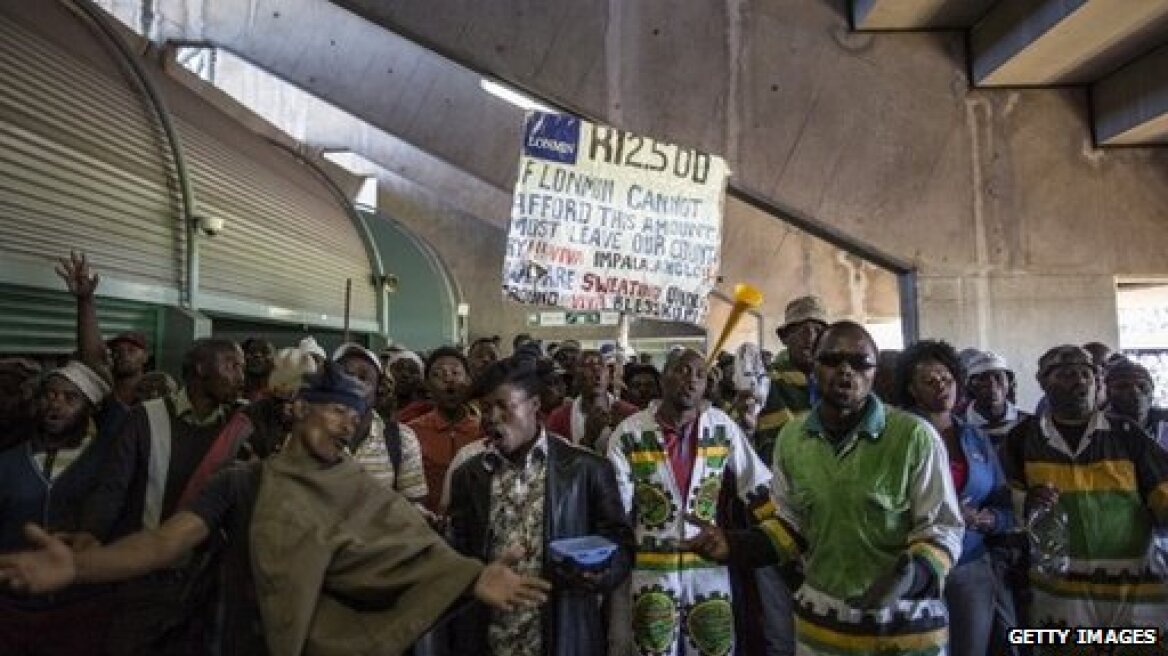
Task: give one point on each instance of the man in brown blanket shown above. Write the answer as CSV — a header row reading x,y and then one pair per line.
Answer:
x,y
340,564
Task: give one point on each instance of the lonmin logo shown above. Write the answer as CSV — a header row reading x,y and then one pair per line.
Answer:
x,y
552,137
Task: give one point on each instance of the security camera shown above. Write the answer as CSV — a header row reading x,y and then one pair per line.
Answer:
x,y
212,226
390,282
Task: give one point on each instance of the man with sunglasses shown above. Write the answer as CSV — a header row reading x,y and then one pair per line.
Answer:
x,y
864,498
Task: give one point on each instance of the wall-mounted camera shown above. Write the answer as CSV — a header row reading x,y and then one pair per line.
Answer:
x,y
211,226
388,282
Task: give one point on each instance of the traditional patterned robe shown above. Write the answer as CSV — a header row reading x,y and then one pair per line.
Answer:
x,y
680,601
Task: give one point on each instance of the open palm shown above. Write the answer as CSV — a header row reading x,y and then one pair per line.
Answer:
x,y
47,569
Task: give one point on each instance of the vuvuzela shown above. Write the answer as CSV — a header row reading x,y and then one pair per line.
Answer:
x,y
746,298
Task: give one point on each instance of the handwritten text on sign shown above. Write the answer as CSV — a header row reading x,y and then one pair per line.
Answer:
x,y
607,220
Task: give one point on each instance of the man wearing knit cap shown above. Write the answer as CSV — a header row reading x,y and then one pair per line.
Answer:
x,y
1111,482
47,479
339,564
385,448
988,384
128,357
309,346
1130,391
407,368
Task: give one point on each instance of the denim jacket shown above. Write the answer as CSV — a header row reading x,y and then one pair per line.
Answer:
x,y
985,488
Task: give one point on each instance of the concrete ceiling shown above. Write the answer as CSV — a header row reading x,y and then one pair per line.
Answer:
x,y
1115,46
345,82
917,14
1049,43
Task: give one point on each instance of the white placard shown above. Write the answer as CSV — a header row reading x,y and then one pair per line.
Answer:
x,y
605,220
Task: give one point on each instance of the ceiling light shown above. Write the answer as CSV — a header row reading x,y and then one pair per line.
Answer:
x,y
514,97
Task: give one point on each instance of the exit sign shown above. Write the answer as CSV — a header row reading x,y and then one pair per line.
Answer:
x,y
554,319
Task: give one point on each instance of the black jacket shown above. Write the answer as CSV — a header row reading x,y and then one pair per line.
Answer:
x,y
581,498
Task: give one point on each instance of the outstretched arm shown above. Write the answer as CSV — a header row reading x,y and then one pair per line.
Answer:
x,y
52,566
82,284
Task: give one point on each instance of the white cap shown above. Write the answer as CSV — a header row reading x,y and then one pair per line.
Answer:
x,y
986,361
309,346
93,386
353,348
402,354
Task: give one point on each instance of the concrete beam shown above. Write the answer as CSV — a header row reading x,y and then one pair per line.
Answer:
x,y
1062,42
877,15
388,82
1131,105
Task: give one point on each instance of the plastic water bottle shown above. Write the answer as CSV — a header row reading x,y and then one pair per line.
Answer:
x,y
1048,530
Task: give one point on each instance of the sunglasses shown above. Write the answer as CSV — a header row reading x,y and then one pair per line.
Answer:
x,y
857,361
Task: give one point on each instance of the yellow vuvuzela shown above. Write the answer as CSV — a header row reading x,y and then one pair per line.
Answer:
x,y
746,298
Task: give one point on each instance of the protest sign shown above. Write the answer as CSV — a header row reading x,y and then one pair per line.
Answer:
x,y
605,220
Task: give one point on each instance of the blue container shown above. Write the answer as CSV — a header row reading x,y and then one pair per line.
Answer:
x,y
588,553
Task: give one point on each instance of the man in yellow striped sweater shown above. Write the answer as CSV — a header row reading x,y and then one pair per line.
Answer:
x,y
1111,482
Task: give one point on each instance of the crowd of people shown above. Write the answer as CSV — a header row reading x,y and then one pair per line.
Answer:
x,y
289,500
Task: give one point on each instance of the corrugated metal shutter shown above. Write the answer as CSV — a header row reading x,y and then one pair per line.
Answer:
x,y
37,321
81,166
287,243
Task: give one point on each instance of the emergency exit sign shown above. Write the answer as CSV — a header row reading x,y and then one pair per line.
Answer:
x,y
554,319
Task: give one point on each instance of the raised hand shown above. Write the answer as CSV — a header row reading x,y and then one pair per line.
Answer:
x,y
47,569
710,542
74,270
502,588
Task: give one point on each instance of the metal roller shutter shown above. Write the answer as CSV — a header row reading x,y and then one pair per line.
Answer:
x,y
81,166
42,322
288,244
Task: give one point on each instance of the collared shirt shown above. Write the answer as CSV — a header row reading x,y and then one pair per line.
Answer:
x,y
680,444
373,456
851,508
440,440
185,412
1113,488
59,460
517,519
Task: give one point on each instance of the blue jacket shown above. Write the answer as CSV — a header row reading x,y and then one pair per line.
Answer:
x,y
985,488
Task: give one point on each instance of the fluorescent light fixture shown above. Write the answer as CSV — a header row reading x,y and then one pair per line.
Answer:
x,y
352,162
514,97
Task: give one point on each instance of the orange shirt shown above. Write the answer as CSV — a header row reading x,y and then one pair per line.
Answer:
x,y
440,440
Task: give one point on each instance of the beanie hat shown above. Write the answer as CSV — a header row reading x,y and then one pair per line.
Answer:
x,y
332,385
309,346
92,386
1125,368
1060,356
353,348
985,361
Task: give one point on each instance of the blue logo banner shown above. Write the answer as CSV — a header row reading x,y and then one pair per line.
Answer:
x,y
554,137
